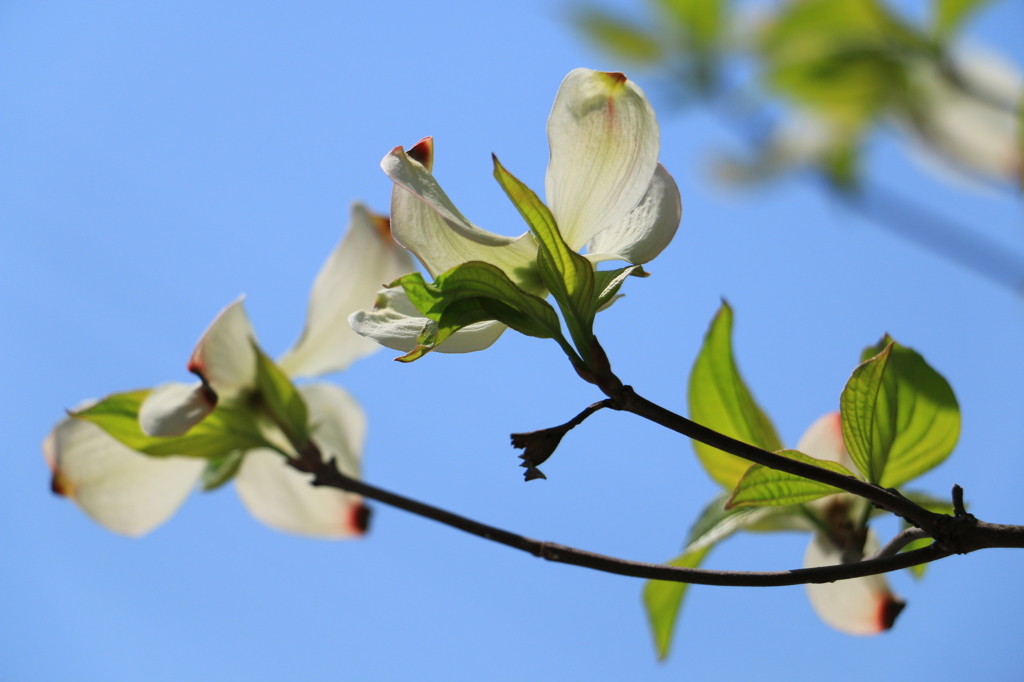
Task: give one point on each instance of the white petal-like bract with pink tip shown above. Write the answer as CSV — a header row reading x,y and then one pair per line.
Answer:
x,y
173,408
121,489
604,188
366,259
604,141
859,606
282,498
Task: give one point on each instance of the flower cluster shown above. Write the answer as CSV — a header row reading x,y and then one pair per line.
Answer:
x,y
132,459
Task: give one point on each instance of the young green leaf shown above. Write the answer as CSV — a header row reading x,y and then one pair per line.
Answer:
x,y
719,399
474,292
701,20
764,487
662,599
916,418
568,275
282,402
221,470
618,36
608,282
949,15
869,424
226,429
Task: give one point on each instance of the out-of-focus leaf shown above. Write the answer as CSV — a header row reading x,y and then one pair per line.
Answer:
x,y
764,487
701,20
949,15
841,164
812,29
226,429
662,599
1020,141
846,88
282,402
221,470
845,59
720,400
927,416
620,37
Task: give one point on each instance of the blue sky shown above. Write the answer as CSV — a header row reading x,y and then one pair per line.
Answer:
x,y
158,159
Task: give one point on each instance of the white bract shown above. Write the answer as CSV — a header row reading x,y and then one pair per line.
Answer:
x,y
132,493
974,128
859,606
604,187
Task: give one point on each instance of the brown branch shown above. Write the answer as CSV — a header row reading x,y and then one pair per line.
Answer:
x,y
958,534
885,498
329,476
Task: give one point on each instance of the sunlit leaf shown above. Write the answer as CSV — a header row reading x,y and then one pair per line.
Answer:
x,y
762,487
663,599
926,413
475,292
949,15
282,402
568,275
226,429
220,470
720,400
619,37
869,424
701,20
608,282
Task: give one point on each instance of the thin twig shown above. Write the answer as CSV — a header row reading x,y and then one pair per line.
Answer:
x,y
902,539
889,499
328,475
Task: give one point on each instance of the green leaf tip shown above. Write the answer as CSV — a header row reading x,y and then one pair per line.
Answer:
x,y
720,400
900,417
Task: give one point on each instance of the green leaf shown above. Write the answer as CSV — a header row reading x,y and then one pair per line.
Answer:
x,y
848,88
842,164
608,282
221,470
701,20
567,275
762,487
226,429
917,419
663,599
949,15
282,402
619,37
474,292
869,425
845,59
720,400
